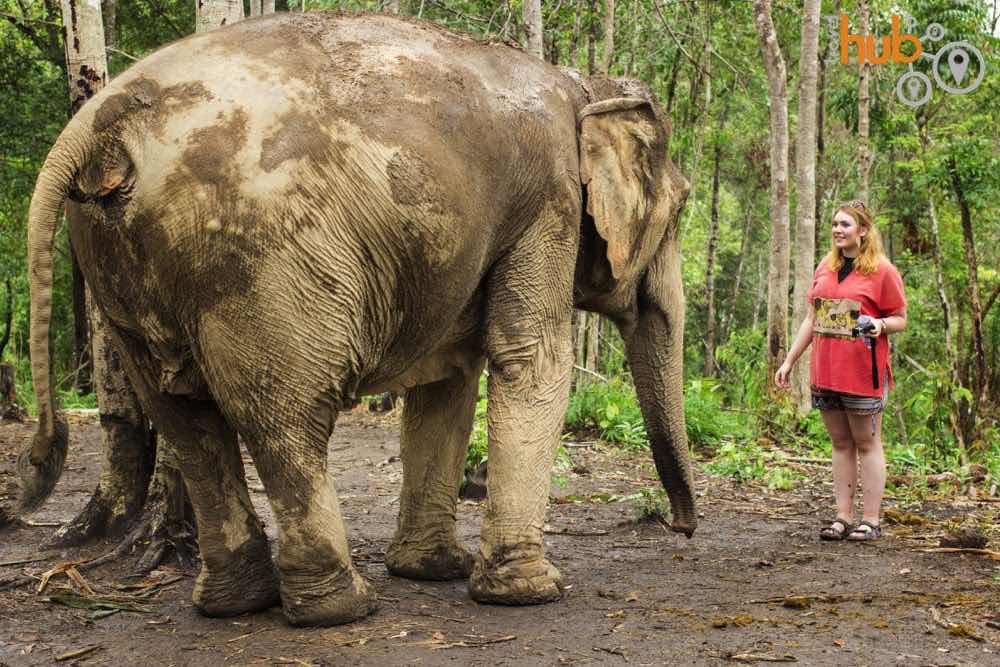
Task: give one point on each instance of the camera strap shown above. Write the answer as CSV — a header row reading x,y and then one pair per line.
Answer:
x,y
874,363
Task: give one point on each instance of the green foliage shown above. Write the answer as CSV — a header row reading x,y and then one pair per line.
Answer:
x,y
478,442
748,461
611,409
72,399
652,504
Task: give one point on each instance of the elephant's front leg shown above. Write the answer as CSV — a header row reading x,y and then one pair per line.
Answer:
x,y
437,420
529,350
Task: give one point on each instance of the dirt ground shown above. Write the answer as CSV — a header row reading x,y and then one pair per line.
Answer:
x,y
754,585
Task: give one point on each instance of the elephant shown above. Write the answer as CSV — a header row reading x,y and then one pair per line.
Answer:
x,y
295,210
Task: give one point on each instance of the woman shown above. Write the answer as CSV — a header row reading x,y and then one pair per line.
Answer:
x,y
849,383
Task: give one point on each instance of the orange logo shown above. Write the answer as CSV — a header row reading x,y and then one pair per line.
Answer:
x,y
867,53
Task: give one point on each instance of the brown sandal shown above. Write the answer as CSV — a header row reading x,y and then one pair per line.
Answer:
x,y
832,534
867,530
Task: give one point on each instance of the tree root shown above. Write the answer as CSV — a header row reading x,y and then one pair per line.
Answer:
x,y
168,539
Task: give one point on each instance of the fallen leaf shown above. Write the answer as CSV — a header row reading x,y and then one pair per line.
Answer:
x,y
633,596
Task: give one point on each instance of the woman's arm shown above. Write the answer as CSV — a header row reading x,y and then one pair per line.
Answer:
x,y
893,323
802,340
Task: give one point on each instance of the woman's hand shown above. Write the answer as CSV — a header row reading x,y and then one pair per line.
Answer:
x,y
781,376
879,329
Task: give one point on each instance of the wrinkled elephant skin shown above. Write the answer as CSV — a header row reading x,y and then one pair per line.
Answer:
x,y
282,215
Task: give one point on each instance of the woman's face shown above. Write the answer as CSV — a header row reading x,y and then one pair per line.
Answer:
x,y
847,234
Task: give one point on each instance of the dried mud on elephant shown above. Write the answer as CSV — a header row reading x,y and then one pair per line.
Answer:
x,y
754,585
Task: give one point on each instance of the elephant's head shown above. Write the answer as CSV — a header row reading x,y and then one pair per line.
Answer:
x,y
628,267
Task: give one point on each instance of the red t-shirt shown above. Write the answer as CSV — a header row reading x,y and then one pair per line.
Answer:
x,y
839,362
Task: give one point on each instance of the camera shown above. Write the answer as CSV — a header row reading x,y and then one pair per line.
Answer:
x,y
865,325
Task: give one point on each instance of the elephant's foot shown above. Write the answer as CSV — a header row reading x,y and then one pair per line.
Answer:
x,y
247,583
444,561
341,597
515,580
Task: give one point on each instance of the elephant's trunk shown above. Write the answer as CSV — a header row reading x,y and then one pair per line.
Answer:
x,y
40,463
655,349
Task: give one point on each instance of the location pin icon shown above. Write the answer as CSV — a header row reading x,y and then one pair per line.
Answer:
x,y
958,63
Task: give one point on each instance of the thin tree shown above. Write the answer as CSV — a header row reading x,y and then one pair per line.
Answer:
x,y
713,241
609,36
533,28
777,274
575,43
592,38
980,379
864,73
805,188
727,321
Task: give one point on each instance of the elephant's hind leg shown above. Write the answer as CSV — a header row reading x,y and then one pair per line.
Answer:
x,y
437,420
237,575
319,584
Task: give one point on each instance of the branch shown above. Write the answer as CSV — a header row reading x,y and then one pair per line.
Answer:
x,y
155,6
122,53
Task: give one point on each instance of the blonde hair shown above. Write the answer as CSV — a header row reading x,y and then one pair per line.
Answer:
x,y
871,253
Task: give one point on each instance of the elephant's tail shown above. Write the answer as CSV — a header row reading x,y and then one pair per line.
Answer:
x,y
41,461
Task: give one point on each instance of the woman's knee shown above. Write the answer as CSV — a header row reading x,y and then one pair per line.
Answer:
x,y
842,442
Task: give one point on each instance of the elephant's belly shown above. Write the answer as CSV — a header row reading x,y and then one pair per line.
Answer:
x,y
439,365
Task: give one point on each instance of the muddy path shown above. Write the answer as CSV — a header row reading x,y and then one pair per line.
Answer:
x,y
639,595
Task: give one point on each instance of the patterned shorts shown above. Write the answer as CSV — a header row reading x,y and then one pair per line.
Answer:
x,y
826,399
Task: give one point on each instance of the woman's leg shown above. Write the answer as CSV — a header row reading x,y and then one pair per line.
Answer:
x,y
872,457
845,463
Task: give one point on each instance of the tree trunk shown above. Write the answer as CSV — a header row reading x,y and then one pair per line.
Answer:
x,y
634,46
8,394
979,379
805,187
533,28
672,84
128,453
777,283
255,8
580,345
575,44
87,73
267,7
864,146
727,324
211,14
8,317
705,74
759,301
594,342
713,240
609,36
592,38
956,411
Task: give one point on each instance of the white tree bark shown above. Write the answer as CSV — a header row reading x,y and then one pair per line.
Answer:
x,y
211,14
533,27
609,36
777,274
255,8
267,7
86,58
805,187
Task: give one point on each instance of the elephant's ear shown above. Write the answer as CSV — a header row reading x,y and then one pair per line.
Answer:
x,y
620,141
